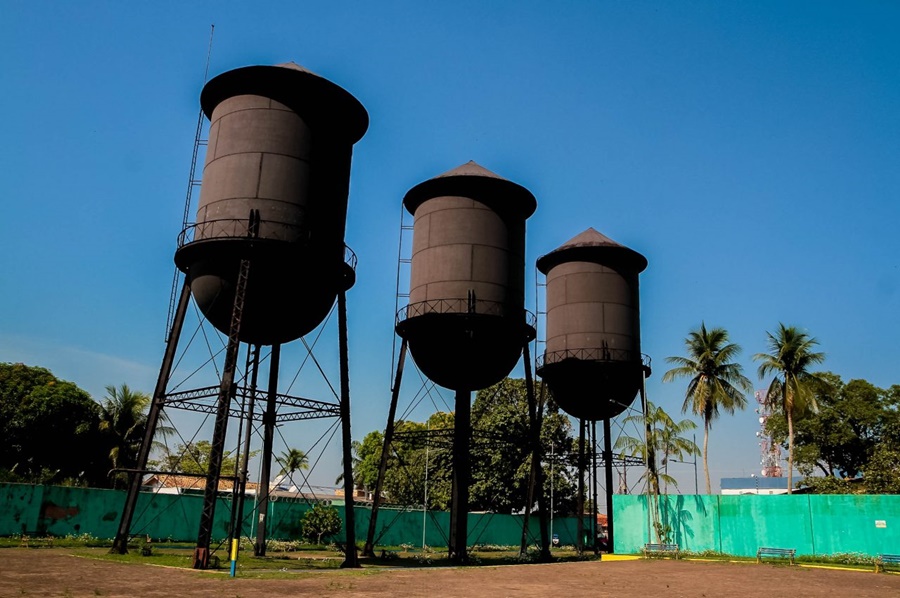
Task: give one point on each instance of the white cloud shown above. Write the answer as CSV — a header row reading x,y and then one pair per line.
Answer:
x,y
90,370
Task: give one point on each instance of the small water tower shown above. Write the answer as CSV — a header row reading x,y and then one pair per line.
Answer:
x,y
592,362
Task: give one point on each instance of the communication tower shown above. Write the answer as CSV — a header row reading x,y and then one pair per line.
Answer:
x,y
770,451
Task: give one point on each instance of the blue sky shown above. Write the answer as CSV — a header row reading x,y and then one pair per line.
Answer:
x,y
749,150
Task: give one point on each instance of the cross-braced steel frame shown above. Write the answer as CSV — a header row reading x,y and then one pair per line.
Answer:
x,y
226,401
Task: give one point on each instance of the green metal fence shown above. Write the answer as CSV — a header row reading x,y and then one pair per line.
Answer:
x,y
738,525
63,511
814,524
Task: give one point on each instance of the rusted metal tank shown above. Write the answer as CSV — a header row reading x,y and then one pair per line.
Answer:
x,y
275,187
592,361
466,322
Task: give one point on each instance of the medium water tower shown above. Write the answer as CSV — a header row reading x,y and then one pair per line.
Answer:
x,y
265,258
466,323
592,362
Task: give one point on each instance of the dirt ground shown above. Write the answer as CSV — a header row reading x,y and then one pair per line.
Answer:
x,y
56,572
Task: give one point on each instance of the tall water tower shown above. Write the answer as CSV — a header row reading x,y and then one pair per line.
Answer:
x,y
465,324
265,259
592,362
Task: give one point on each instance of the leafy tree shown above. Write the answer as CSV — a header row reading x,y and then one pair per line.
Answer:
x,y
405,476
559,445
193,458
882,471
368,460
48,429
501,453
790,356
500,456
855,431
320,521
715,381
838,439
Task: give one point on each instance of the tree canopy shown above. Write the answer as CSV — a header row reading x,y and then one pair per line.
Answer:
x,y
854,434
50,429
500,455
193,458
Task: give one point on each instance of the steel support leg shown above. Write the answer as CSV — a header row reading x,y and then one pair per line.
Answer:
x,y
535,479
351,559
607,459
262,505
226,395
595,507
120,543
459,506
240,485
369,549
579,529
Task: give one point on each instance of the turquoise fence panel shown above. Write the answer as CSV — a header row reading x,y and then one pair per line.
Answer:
x,y
692,520
286,519
19,508
172,517
868,524
68,511
738,525
751,521
630,525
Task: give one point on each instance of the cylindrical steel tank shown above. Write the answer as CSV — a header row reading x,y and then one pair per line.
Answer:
x,y
274,190
466,322
592,360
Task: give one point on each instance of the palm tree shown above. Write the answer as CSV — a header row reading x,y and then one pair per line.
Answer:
x,y
716,382
355,447
291,460
672,445
665,439
123,420
790,357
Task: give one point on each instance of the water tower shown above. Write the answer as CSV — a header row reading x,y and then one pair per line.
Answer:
x,y
265,259
592,361
465,324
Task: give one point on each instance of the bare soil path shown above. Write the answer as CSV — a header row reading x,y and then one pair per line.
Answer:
x,y
56,572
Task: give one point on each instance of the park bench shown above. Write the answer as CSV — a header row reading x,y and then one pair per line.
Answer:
x,y
661,549
886,559
782,553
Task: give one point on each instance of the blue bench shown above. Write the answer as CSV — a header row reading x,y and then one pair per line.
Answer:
x,y
661,549
781,553
886,559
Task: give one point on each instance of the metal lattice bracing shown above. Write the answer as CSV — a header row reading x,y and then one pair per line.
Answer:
x,y
290,408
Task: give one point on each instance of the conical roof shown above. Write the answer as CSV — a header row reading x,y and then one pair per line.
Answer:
x,y
589,238
321,103
470,168
476,182
593,246
296,67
